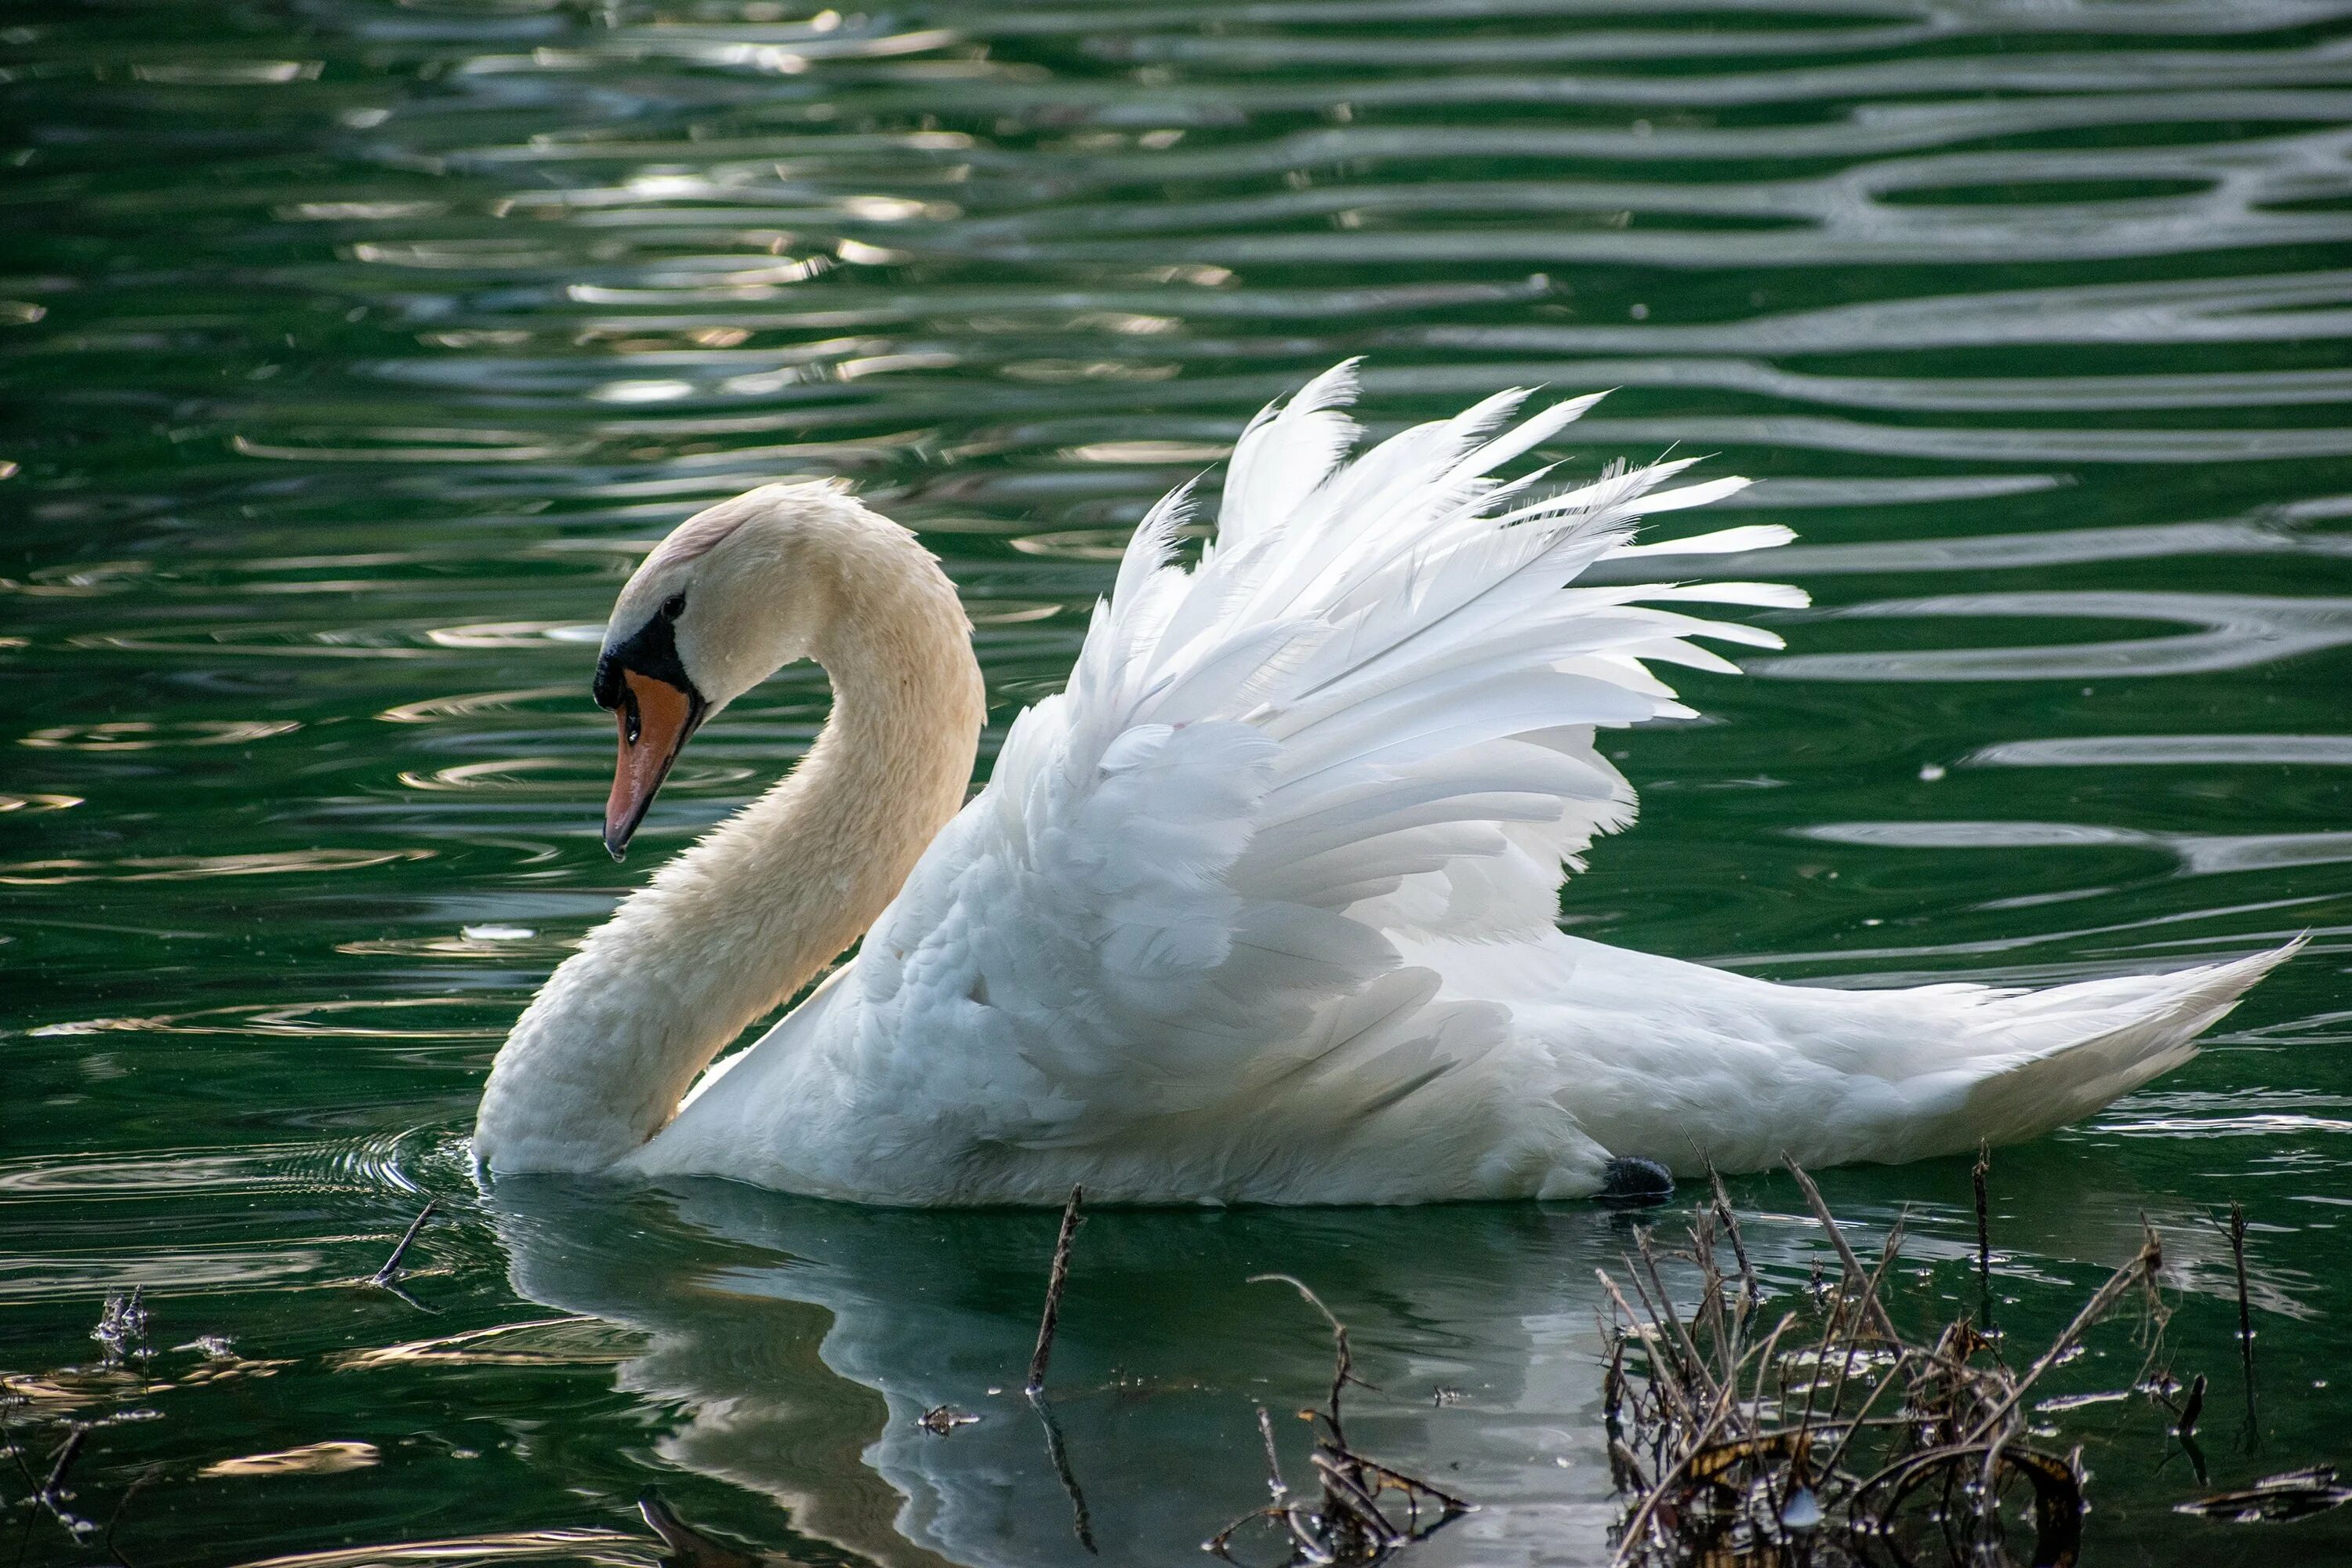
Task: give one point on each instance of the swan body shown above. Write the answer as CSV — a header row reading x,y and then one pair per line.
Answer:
x,y
1261,907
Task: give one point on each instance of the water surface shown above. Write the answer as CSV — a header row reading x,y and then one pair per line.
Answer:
x,y
354,350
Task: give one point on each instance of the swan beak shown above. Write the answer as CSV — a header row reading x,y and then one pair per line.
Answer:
x,y
656,718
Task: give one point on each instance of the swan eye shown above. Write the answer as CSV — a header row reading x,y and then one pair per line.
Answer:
x,y
650,651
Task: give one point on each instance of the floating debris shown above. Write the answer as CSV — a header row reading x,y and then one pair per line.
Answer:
x,y
122,1329
2296,1494
941,1419
1345,1521
1829,1437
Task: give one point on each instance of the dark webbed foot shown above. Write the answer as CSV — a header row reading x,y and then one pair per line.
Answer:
x,y
1630,1179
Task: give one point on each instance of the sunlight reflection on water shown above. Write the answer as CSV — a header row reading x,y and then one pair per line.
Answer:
x,y
355,357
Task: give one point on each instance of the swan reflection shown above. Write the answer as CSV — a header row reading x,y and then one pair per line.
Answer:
x,y
792,1346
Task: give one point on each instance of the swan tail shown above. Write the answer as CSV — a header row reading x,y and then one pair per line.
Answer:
x,y
1692,1065
2120,1034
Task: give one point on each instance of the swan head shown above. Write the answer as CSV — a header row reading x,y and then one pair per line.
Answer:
x,y
732,596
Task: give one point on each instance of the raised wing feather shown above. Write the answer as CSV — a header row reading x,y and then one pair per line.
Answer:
x,y
1367,713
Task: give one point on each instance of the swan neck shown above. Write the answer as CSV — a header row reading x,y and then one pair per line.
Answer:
x,y
761,905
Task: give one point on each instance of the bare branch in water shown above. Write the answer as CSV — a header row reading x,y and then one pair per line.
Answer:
x,y
1731,1228
1982,1169
1054,1283
1058,1454
391,1270
388,1277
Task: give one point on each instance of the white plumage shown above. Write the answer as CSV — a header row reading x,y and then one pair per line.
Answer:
x,y
1261,907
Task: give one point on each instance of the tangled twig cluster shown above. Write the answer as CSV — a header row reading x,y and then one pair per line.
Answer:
x,y
1828,1438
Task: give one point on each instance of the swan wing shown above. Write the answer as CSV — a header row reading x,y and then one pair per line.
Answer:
x,y
1366,714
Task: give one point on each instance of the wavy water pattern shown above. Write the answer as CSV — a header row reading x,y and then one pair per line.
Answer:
x,y
352,353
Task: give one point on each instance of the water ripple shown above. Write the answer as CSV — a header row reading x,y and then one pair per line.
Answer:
x,y
2238,631
2199,855
2168,751
355,354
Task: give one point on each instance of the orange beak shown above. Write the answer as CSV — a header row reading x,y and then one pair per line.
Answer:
x,y
656,718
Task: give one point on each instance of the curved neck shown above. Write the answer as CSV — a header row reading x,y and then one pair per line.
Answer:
x,y
755,909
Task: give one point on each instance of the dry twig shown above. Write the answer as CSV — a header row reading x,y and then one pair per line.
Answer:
x,y
1054,1283
1744,1471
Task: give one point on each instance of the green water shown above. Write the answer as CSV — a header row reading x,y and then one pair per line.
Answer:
x,y
352,350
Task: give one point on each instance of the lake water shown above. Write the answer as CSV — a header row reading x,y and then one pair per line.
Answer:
x,y
352,350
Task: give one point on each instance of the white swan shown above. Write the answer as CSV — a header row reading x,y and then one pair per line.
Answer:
x,y
1261,907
